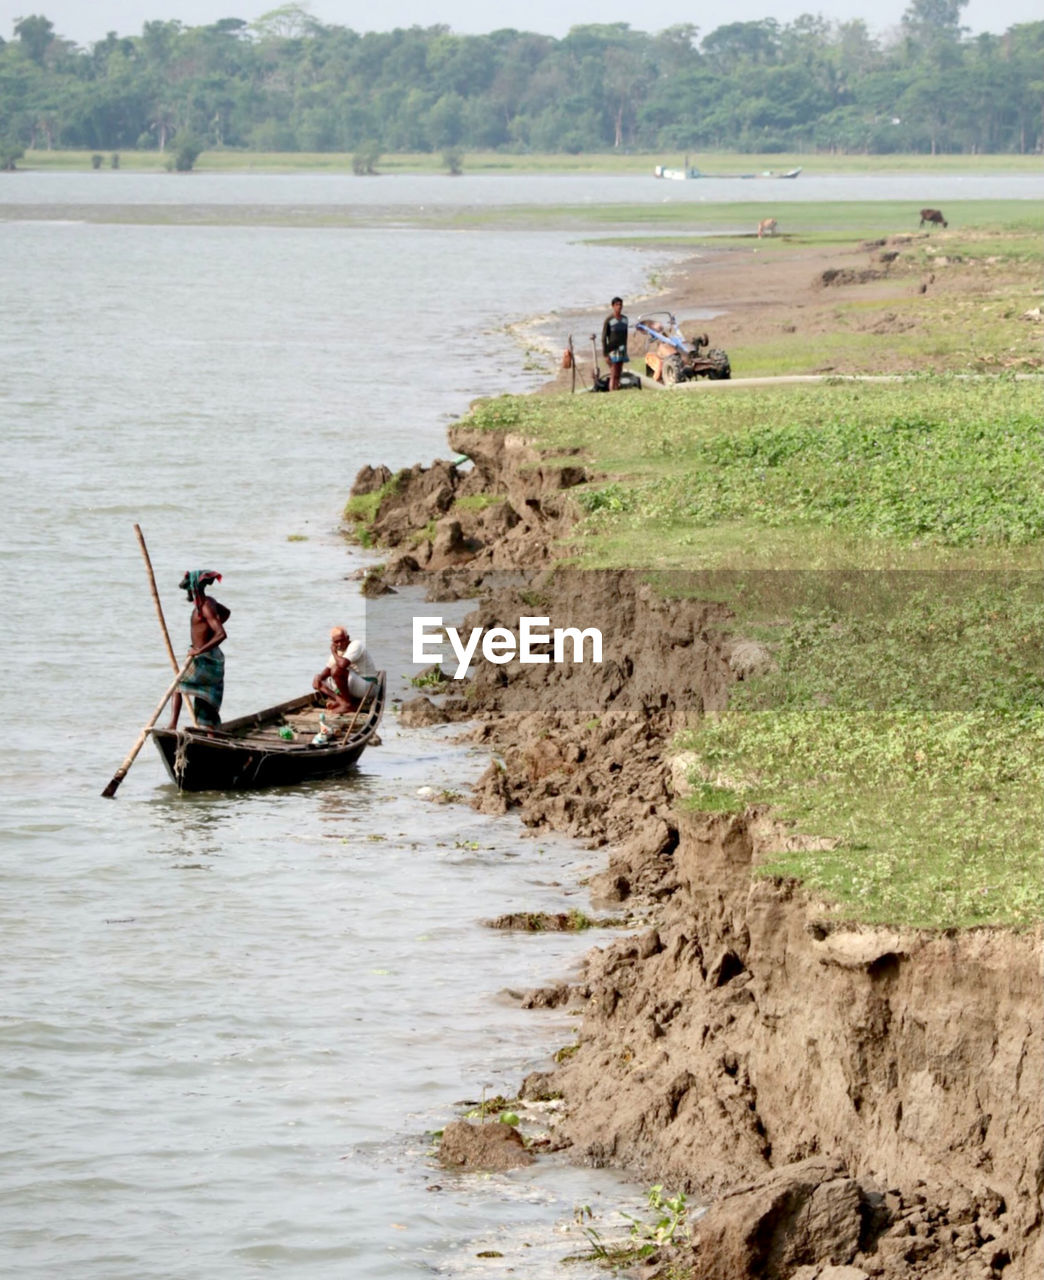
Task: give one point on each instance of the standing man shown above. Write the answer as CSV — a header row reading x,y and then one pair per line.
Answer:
x,y
614,342
205,682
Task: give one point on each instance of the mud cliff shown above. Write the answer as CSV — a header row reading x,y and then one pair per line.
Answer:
x,y
746,1034
849,1101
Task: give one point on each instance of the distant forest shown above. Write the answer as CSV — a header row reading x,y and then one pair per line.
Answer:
x,y
290,83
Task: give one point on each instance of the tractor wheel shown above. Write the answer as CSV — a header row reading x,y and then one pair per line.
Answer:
x,y
672,371
722,369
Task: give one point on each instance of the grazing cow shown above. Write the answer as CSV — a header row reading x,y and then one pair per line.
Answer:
x,y
766,227
932,215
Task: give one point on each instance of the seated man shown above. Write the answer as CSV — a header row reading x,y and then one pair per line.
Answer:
x,y
348,675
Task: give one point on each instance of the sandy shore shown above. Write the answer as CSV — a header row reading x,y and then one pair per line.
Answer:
x,y
886,300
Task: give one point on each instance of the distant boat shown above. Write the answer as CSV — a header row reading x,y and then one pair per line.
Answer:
x,y
676,174
687,174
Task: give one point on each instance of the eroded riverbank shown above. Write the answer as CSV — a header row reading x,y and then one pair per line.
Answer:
x,y
845,1096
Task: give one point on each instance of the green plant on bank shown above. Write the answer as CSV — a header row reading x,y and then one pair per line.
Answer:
x,y
478,501
11,151
919,472
669,1227
901,733
644,1237
614,498
187,152
497,414
432,678
825,223
360,511
903,729
366,159
679,224
362,507
233,159
496,1107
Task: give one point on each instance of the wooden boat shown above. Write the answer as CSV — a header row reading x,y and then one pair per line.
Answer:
x,y
688,174
249,753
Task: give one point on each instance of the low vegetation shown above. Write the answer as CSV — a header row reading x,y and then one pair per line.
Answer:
x,y
369,160
920,473
903,725
361,510
883,542
644,1237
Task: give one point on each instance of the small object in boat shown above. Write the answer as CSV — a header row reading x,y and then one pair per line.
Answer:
x,y
286,733
322,738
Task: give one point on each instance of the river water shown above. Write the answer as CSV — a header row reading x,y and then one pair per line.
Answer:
x,y
229,1023
407,195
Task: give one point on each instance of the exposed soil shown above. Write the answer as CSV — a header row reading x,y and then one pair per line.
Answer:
x,y
765,293
851,1101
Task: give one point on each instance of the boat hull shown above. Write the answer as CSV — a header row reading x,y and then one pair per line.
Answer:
x,y
248,755
689,175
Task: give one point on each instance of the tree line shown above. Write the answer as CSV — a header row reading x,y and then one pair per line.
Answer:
x,y
290,83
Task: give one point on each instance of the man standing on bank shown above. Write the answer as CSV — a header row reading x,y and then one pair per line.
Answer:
x,y
614,343
205,682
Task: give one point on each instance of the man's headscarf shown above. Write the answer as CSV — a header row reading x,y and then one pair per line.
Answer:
x,y
195,580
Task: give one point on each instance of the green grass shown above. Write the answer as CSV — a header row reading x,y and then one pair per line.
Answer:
x,y
362,508
905,721
478,501
921,472
902,728
901,474
813,222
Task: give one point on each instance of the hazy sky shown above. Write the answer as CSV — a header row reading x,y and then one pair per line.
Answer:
x,y
87,20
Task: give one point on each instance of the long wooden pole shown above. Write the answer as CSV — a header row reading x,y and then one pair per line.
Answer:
x,y
155,597
159,613
121,772
372,689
